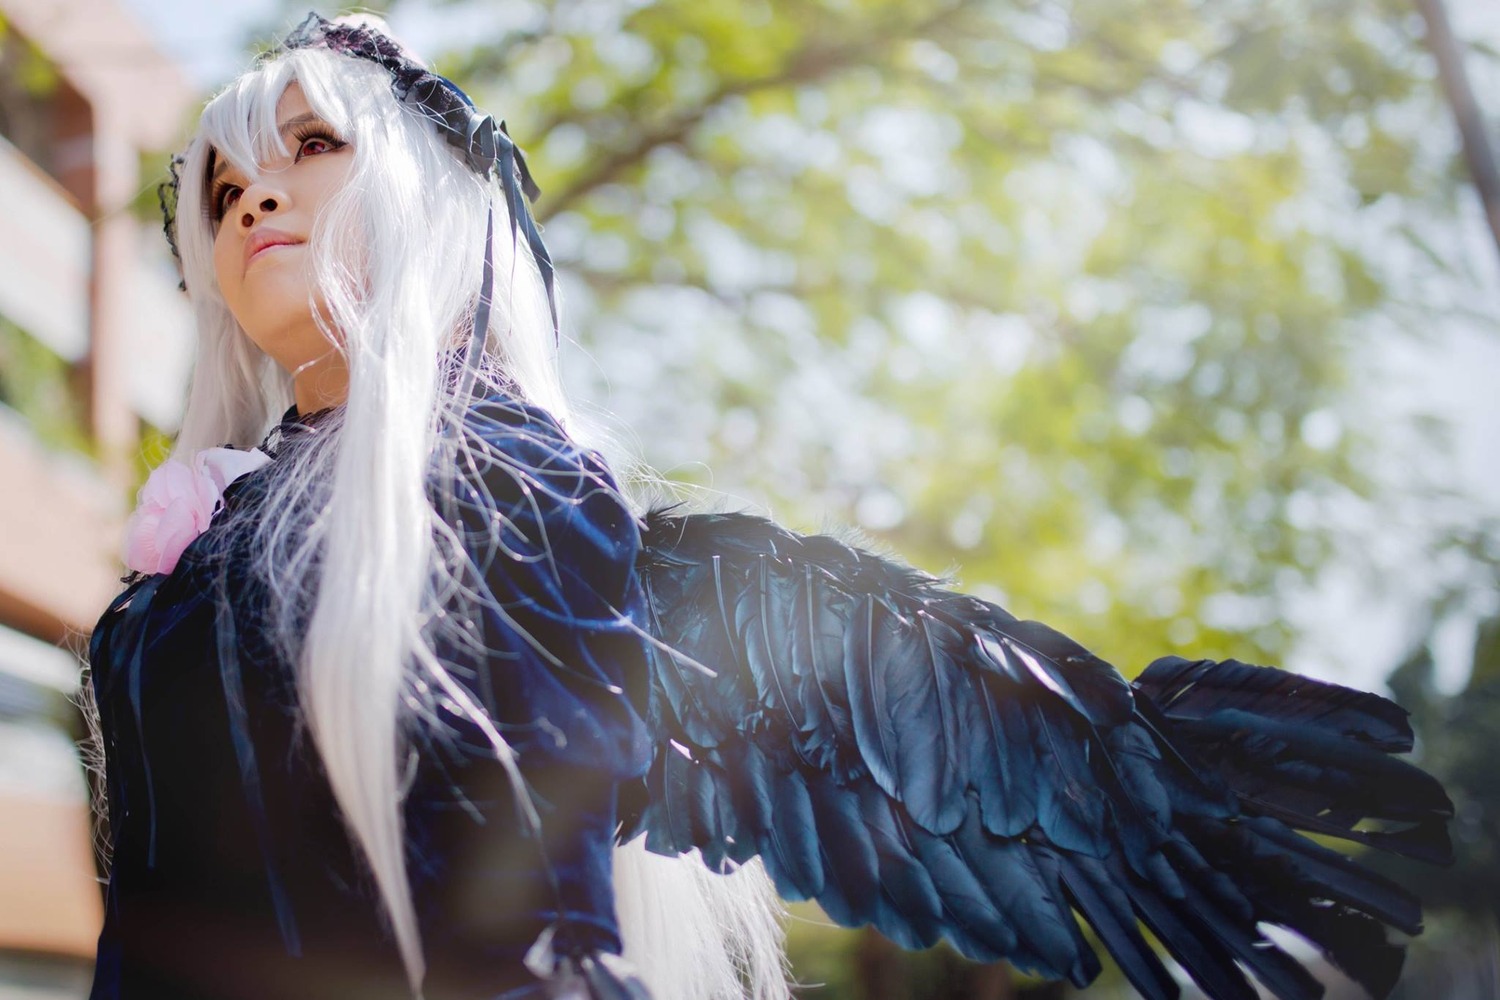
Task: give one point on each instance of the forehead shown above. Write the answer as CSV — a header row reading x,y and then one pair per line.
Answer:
x,y
292,104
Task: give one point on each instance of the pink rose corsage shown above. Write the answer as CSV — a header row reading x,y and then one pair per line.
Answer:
x,y
178,502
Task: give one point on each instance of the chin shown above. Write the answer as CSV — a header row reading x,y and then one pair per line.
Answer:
x,y
292,340
275,312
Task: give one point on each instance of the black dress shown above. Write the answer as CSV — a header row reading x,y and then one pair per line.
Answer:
x,y
232,873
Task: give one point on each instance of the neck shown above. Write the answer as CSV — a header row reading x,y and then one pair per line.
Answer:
x,y
320,384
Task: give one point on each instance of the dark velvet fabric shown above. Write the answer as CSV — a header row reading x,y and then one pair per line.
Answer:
x,y
232,874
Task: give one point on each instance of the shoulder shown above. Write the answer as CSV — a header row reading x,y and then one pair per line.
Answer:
x,y
506,431
501,414
516,460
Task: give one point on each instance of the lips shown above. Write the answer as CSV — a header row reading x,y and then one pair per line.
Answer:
x,y
263,239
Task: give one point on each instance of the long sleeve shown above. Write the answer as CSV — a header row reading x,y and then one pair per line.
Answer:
x,y
559,622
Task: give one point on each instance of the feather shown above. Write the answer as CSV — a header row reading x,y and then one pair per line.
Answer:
x,y
1426,840
1336,876
1275,758
907,720
975,924
923,762
1097,892
910,895
1043,924
1002,759
1072,808
781,819
1191,944
793,836
1235,930
1355,943
758,610
1087,966
1142,805
827,732
1087,684
851,870
873,731
673,698
1193,689
1310,754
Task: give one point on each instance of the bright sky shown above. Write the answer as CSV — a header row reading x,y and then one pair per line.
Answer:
x,y
209,40
1455,376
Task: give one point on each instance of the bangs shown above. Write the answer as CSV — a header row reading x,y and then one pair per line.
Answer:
x,y
239,126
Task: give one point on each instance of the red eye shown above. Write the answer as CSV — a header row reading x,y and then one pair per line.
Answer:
x,y
314,145
227,197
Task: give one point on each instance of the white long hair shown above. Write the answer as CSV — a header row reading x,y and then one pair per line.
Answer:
x,y
353,552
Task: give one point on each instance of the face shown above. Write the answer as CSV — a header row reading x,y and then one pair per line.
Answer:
x,y
262,226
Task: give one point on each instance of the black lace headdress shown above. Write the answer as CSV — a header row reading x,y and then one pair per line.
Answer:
x,y
483,142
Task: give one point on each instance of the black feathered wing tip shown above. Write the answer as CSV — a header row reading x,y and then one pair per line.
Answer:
x,y
921,761
1304,755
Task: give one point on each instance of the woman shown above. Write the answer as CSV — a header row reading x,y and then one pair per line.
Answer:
x,y
332,247
499,672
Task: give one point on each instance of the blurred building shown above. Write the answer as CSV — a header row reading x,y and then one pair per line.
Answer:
x,y
94,346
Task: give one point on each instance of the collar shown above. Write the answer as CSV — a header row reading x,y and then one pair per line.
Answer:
x,y
292,425
292,416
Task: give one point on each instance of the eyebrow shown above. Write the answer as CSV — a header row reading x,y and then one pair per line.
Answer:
x,y
284,127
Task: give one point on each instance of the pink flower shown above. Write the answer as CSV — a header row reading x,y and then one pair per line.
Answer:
x,y
178,502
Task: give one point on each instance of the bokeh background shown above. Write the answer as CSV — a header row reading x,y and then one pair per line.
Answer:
x,y
1171,323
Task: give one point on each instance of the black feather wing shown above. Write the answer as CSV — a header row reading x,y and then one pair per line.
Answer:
x,y
920,760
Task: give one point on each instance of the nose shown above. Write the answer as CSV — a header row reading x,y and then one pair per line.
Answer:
x,y
260,199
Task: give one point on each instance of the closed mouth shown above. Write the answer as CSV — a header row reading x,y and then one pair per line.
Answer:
x,y
270,246
267,240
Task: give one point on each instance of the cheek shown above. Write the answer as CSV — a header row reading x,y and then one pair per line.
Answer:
x,y
227,256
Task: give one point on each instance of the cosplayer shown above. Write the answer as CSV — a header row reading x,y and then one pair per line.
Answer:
x,y
406,697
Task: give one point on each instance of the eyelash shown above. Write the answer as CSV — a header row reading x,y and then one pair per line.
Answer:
x,y
301,135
